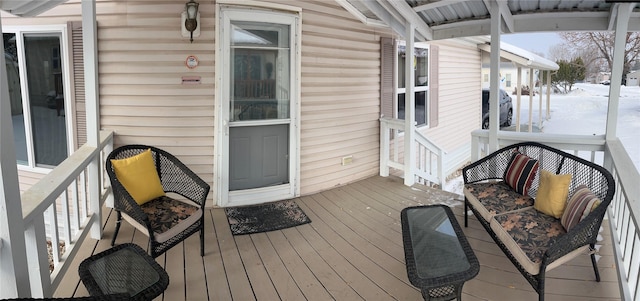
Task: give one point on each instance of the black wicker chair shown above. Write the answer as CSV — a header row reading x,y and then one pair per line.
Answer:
x,y
175,178
584,234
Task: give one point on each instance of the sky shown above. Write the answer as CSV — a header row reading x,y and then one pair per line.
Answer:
x,y
583,111
533,42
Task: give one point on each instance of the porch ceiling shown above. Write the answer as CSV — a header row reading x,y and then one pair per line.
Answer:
x,y
444,19
28,8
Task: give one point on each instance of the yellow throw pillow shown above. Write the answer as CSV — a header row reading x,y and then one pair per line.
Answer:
x,y
552,193
139,176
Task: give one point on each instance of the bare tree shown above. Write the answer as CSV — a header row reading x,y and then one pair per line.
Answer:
x,y
600,44
560,52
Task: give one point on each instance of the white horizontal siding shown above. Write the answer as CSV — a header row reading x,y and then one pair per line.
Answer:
x,y
340,103
141,64
459,95
141,56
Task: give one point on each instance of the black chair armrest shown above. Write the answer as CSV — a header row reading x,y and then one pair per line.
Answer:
x,y
178,178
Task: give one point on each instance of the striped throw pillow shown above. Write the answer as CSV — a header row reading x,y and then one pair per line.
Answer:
x,y
520,173
579,206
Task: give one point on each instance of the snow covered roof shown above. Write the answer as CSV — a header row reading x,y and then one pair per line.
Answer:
x,y
517,55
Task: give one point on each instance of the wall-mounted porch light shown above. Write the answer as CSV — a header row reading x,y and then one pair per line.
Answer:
x,y
190,20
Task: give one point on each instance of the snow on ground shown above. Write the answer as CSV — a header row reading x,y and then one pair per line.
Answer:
x,y
583,111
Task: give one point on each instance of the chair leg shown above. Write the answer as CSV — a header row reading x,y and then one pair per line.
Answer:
x,y
541,282
202,240
115,233
595,264
466,216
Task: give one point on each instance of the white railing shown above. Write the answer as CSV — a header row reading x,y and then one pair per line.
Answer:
x,y
623,218
429,159
587,147
59,208
625,207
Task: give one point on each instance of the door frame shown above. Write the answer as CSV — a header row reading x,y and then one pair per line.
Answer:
x,y
225,13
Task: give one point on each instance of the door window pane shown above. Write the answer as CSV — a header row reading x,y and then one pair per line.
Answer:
x,y
46,99
15,97
260,56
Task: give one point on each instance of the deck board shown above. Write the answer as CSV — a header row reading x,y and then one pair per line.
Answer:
x,y
333,283
194,269
215,273
352,250
258,276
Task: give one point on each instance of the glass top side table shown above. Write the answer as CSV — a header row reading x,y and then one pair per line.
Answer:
x,y
438,256
125,268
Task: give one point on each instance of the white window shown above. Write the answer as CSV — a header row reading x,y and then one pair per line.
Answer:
x,y
421,82
36,70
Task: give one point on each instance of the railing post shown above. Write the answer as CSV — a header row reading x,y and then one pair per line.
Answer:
x,y
409,108
440,169
106,184
90,55
384,148
94,197
36,244
475,148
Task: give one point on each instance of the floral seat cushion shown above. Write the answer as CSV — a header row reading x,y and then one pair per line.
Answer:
x,y
495,198
168,217
527,234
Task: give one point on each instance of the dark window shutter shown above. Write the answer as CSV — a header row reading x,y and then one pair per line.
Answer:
x,y
386,77
433,86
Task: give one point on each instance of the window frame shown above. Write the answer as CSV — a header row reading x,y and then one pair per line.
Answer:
x,y
398,91
60,31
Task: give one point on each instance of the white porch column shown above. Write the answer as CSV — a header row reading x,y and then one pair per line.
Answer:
x,y
14,276
530,100
90,55
540,72
518,98
548,93
494,76
409,107
622,25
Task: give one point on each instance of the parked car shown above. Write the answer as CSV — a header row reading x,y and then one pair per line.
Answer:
x,y
605,82
506,108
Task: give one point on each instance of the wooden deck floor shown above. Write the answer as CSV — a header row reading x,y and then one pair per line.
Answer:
x,y
352,250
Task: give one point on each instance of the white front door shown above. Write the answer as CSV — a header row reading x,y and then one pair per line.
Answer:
x,y
257,98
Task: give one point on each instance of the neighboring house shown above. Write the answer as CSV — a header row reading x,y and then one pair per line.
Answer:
x,y
512,59
601,77
633,78
271,100
508,75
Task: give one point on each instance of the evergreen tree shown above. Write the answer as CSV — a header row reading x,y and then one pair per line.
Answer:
x,y
569,73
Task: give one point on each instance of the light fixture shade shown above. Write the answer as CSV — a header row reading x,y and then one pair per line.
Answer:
x,y
190,18
192,9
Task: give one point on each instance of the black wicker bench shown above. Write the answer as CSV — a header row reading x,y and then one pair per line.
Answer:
x,y
534,241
